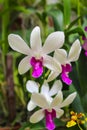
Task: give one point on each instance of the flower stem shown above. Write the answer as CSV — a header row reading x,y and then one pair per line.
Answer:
x,y
78,12
79,126
5,23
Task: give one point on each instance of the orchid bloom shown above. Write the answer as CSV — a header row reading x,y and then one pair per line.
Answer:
x,y
32,87
50,107
65,60
36,56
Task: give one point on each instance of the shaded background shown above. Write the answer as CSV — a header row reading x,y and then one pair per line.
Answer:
x,y
20,17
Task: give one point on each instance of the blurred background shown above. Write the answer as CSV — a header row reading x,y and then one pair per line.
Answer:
x,y
20,17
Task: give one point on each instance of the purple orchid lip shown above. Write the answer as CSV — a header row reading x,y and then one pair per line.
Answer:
x,y
64,75
84,46
85,53
83,38
66,79
85,28
49,119
37,66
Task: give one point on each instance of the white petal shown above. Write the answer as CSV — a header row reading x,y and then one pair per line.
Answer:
x,y
61,56
74,51
35,39
69,99
24,65
51,64
55,71
37,116
45,88
52,76
32,86
18,44
39,100
55,88
59,113
31,106
57,100
54,41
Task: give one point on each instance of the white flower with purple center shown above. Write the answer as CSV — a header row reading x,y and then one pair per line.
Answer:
x,y
65,60
32,87
37,55
50,107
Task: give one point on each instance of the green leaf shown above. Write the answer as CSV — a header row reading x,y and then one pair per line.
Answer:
x,y
42,17
73,22
82,73
30,126
59,123
1,1
76,104
20,94
67,12
23,9
77,29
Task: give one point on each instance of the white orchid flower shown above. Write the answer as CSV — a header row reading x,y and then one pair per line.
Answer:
x,y
36,56
50,107
32,87
65,60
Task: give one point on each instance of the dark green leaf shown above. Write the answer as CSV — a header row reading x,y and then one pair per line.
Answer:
x,y
73,22
82,71
76,104
30,126
77,29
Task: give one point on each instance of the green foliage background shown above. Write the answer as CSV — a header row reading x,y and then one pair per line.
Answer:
x,y
20,17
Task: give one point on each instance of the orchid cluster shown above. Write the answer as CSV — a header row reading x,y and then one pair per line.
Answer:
x,y
37,57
